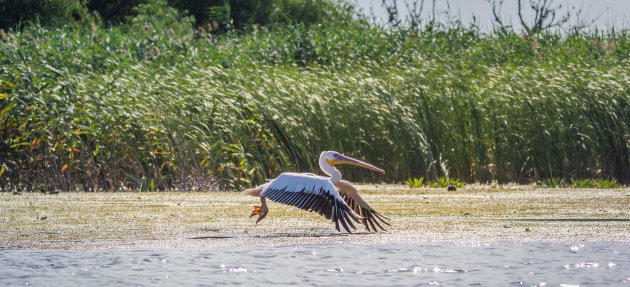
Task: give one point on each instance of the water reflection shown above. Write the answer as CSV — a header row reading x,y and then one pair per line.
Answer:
x,y
461,264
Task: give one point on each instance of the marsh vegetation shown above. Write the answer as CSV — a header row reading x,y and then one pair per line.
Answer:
x,y
162,98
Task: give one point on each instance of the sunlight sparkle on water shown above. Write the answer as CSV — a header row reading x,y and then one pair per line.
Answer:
x,y
493,264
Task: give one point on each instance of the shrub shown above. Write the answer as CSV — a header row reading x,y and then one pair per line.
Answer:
x,y
45,12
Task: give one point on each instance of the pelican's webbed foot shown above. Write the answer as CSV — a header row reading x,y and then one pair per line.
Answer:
x,y
261,211
256,211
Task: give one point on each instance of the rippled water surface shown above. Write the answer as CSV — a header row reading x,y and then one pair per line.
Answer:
x,y
459,264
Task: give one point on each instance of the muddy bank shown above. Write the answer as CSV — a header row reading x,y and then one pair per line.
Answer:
x,y
80,220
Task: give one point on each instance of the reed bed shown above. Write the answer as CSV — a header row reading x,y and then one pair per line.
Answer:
x,y
152,105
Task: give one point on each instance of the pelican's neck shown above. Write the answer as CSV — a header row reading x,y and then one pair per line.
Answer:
x,y
335,175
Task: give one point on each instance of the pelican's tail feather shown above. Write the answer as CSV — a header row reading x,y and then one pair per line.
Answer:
x,y
252,191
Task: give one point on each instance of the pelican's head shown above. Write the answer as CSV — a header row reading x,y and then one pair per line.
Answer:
x,y
331,158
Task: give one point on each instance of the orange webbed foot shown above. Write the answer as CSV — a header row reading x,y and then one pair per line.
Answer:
x,y
262,212
256,211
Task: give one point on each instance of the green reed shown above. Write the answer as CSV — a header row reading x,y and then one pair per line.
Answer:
x,y
147,104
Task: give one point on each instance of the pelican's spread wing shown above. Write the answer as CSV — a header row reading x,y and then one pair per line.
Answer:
x,y
356,202
312,193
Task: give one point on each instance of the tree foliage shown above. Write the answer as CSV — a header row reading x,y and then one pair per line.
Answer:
x,y
227,14
39,11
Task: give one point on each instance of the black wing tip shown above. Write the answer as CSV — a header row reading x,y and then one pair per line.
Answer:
x,y
325,205
372,219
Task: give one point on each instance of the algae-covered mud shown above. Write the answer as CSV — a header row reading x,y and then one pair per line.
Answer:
x,y
78,220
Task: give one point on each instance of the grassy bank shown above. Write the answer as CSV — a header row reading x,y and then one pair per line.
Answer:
x,y
156,103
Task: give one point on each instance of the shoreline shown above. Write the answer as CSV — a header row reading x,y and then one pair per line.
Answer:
x,y
139,220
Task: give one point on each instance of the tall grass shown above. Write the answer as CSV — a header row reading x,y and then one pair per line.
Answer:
x,y
151,103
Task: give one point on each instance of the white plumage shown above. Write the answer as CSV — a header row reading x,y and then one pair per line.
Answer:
x,y
313,193
301,182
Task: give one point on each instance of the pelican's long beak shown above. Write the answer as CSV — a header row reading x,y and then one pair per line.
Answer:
x,y
342,159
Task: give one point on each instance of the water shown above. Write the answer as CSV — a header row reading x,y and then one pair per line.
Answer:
x,y
446,264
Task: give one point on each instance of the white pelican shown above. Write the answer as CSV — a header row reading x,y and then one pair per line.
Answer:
x,y
334,198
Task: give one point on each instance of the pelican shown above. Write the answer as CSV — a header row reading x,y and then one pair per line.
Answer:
x,y
332,197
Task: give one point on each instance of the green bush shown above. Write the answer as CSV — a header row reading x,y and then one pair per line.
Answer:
x,y
244,13
113,11
217,15
156,17
45,12
238,13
